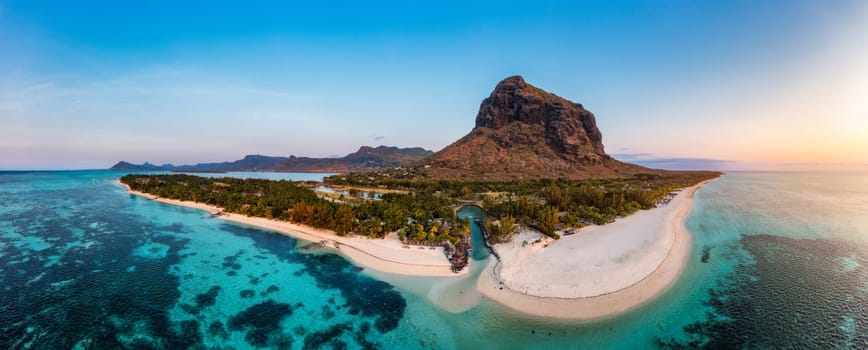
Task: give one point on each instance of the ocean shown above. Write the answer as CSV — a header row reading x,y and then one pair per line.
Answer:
x,y
779,261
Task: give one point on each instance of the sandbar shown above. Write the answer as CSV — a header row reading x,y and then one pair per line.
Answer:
x,y
598,272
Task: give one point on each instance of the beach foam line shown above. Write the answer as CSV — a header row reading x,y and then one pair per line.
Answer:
x,y
385,255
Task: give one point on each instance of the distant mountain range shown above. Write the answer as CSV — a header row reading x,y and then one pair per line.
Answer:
x,y
522,132
365,159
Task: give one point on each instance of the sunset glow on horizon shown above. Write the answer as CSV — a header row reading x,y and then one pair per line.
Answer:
x,y
752,85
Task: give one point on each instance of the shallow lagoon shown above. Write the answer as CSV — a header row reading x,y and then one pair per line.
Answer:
x,y
83,263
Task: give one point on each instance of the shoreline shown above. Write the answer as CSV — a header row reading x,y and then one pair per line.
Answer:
x,y
593,300
388,256
384,255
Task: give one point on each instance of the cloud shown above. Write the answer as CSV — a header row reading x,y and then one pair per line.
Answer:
x,y
631,156
649,160
377,137
186,110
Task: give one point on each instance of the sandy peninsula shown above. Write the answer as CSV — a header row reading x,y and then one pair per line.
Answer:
x,y
385,255
598,272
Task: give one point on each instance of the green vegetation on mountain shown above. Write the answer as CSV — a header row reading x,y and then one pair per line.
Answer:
x,y
365,159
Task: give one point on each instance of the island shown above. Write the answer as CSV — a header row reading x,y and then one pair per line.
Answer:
x,y
573,232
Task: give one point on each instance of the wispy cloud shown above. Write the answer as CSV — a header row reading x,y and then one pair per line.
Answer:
x,y
649,160
133,111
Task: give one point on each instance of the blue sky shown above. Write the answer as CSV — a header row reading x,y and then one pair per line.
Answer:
x,y
755,83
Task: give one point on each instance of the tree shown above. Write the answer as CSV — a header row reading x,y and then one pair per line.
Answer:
x,y
432,233
323,216
377,229
394,217
554,196
506,228
343,220
548,219
488,201
465,191
465,226
301,212
444,234
353,192
419,233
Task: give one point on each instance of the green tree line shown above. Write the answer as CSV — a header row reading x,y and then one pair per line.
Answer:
x,y
420,217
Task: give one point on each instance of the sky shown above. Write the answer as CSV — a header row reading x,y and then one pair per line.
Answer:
x,y
732,85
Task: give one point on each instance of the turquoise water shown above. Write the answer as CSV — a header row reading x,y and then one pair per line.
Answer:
x,y
477,239
779,261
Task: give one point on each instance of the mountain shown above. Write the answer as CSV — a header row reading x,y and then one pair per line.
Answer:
x,y
122,165
248,163
390,156
365,159
524,132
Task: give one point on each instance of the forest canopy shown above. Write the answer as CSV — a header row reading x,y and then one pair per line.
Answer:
x,y
425,211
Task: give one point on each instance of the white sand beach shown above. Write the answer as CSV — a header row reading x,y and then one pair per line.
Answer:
x,y
598,272
385,255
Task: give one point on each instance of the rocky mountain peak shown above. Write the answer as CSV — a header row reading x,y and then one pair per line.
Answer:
x,y
570,129
523,132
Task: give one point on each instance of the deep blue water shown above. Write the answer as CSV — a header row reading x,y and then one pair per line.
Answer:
x,y
779,261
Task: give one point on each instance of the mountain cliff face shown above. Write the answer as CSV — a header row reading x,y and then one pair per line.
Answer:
x,y
365,159
523,132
